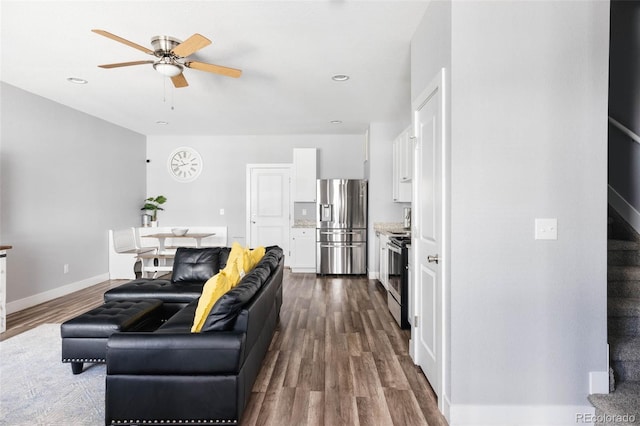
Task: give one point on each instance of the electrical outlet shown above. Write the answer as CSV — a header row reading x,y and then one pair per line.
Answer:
x,y
221,212
65,269
546,229
304,212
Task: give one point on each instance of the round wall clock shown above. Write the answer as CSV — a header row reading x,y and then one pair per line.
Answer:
x,y
184,164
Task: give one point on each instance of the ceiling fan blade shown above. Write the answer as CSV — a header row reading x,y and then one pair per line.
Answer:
x,y
179,81
125,64
123,41
217,69
191,45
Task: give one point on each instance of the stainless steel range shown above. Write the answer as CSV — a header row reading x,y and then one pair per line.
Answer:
x,y
397,298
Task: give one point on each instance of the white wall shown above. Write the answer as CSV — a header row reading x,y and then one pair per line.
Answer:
x,y
222,184
67,178
529,139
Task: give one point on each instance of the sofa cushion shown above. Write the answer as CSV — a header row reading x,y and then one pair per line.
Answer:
x,y
220,283
252,257
197,264
226,309
217,285
224,312
161,289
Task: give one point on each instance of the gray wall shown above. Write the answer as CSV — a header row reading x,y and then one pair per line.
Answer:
x,y
66,178
624,100
529,101
528,124
222,183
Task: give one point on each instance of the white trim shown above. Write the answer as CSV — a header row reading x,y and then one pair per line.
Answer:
x,y
626,210
439,83
624,130
598,382
446,407
36,299
497,415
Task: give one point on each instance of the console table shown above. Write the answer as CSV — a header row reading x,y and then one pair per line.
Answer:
x,y
3,287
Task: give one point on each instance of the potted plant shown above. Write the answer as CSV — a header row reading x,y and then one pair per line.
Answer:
x,y
152,205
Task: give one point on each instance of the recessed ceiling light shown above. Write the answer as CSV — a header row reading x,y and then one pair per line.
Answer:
x,y
76,80
336,122
162,123
340,77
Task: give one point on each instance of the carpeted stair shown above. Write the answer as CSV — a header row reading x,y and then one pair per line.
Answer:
x,y
622,405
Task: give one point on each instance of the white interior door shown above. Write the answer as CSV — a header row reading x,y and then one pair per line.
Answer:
x,y
427,236
269,206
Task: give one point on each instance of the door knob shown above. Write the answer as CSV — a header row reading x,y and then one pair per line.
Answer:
x,y
432,259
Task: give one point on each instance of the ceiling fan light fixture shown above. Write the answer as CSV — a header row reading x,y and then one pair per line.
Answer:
x,y
168,69
76,80
340,77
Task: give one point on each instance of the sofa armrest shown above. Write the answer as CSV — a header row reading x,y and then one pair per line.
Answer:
x,y
175,354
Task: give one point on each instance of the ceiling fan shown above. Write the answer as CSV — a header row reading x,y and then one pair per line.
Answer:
x,y
171,54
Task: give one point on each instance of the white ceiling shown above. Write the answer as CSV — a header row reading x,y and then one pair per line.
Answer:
x,y
288,51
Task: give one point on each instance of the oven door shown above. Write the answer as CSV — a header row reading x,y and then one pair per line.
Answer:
x,y
395,271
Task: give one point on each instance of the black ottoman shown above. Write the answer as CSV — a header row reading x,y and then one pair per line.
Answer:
x,y
84,338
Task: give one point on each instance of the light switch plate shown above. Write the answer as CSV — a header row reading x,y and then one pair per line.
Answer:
x,y
546,229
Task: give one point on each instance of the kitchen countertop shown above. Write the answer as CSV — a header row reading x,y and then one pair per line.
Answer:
x,y
304,224
389,228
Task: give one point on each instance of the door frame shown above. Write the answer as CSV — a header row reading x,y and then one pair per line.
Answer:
x,y
439,82
249,169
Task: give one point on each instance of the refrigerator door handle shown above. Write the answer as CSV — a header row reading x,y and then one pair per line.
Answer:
x,y
338,246
337,232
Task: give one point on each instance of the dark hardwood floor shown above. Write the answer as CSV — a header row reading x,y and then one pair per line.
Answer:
x,y
57,310
337,358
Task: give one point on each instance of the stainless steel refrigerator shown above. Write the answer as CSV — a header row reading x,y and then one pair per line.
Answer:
x,y
341,230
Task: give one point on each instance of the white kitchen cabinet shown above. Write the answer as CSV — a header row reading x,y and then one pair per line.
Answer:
x,y
384,260
304,174
303,250
402,167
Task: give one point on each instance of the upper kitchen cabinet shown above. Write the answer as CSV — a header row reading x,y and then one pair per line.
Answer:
x,y
305,174
402,167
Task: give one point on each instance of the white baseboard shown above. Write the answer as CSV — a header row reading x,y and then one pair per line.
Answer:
x,y
36,299
530,415
303,270
446,408
626,210
598,382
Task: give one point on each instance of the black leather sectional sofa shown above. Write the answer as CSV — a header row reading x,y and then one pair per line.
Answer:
x,y
172,376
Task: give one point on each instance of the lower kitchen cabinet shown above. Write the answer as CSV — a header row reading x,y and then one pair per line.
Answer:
x,y
303,250
384,260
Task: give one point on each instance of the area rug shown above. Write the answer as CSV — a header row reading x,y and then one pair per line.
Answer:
x,y
36,388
